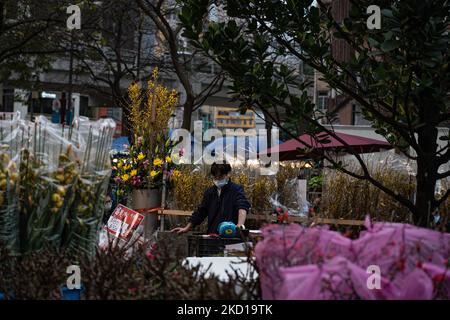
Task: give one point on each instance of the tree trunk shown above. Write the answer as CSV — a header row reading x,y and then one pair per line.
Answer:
x,y
426,176
187,113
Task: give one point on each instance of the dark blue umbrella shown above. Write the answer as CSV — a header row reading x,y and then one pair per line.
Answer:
x,y
118,144
238,145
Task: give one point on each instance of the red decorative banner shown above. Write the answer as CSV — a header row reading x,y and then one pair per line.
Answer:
x,y
123,222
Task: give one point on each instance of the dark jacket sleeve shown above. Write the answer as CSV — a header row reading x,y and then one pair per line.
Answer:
x,y
241,199
202,211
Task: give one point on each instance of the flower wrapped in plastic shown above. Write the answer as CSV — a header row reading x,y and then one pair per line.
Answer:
x,y
48,174
88,205
316,263
9,179
53,179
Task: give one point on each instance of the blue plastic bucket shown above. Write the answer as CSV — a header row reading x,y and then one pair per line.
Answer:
x,y
71,294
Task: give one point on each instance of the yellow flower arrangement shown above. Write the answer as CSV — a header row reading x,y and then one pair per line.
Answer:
x,y
150,111
120,164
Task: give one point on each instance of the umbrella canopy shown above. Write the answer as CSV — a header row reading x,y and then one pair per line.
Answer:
x,y
238,147
119,143
323,142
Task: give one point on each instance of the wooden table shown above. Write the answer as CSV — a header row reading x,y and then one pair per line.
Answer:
x,y
268,217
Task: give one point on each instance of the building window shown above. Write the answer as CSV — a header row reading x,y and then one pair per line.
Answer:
x,y
322,99
84,107
357,117
7,105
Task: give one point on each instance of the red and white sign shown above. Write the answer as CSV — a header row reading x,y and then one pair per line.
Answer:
x,y
123,222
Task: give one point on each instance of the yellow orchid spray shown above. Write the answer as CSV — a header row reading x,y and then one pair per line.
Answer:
x,y
151,109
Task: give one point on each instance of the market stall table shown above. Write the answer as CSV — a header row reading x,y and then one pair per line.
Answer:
x,y
223,267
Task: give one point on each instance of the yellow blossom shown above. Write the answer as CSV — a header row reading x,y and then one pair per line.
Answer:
x,y
141,156
153,173
127,167
157,162
125,177
168,159
120,165
133,172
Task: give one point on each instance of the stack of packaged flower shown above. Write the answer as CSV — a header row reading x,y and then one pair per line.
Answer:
x,y
9,137
60,169
387,261
92,184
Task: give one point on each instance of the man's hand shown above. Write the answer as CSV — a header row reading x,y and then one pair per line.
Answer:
x,y
181,230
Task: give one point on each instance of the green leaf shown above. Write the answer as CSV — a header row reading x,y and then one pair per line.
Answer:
x,y
284,71
373,42
387,13
388,35
374,53
324,141
389,45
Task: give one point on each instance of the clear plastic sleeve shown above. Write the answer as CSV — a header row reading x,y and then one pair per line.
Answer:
x,y
55,178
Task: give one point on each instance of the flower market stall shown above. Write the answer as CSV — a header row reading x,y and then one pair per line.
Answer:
x,y
53,184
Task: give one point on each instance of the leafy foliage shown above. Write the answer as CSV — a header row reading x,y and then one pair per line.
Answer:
x,y
398,74
30,29
112,274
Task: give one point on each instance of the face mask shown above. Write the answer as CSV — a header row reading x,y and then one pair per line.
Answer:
x,y
436,218
221,183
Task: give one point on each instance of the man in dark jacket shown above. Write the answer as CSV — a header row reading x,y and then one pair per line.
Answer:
x,y
225,201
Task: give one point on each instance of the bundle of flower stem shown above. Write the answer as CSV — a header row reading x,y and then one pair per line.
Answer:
x,y
348,198
92,184
61,168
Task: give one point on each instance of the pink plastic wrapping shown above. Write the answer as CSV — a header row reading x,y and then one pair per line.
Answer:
x,y
316,263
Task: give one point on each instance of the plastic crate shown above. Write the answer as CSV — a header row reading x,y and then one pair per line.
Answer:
x,y
200,246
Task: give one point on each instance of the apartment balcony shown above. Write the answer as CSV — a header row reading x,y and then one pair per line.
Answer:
x,y
232,117
239,125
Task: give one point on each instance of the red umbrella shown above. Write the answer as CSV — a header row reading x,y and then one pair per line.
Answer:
x,y
324,142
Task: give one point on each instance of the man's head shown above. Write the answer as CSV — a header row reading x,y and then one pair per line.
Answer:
x,y
220,173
